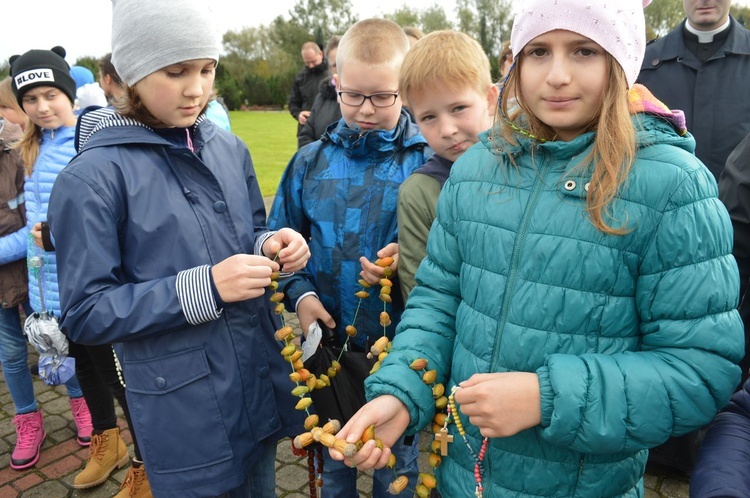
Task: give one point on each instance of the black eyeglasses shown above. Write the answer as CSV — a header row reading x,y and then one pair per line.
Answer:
x,y
356,99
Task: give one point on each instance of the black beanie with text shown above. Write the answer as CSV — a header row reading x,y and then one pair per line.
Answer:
x,y
41,68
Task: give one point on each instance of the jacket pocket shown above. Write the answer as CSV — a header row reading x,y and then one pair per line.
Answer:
x,y
176,412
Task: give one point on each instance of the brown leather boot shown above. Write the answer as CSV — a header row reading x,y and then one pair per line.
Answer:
x,y
135,484
107,452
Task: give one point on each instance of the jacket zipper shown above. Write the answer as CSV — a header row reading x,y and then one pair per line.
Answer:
x,y
513,274
580,472
509,286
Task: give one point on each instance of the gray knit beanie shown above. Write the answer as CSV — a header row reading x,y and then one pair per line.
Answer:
x,y
148,35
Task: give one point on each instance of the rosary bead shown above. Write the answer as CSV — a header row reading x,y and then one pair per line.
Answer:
x,y
478,460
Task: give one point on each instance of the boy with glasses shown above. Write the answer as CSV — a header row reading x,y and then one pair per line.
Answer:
x,y
341,194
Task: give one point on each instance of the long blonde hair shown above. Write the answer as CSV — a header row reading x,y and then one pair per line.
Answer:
x,y
29,146
614,143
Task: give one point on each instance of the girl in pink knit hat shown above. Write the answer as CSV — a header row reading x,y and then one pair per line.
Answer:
x,y
577,305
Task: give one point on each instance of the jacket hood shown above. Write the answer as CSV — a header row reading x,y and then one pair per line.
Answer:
x,y
327,90
356,143
93,120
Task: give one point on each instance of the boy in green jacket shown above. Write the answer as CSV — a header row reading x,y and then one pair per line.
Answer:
x,y
446,82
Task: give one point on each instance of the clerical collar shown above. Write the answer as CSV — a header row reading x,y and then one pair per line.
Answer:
x,y
706,36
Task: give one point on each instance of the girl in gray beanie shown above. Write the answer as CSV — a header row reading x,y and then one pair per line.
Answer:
x,y
160,232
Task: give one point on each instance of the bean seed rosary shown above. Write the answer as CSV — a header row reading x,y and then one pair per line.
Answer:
x,y
325,436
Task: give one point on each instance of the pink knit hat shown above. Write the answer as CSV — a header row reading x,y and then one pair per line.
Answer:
x,y
617,25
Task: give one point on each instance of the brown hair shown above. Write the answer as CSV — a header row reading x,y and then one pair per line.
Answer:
x,y
449,57
414,32
333,43
107,68
133,107
614,144
376,42
28,146
504,53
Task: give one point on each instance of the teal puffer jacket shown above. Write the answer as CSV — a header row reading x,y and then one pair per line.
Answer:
x,y
634,338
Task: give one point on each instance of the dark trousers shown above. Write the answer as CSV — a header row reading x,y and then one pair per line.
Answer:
x,y
97,374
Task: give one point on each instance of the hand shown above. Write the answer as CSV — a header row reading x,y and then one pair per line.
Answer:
x,y
310,309
243,276
302,117
371,272
291,248
501,404
36,232
390,418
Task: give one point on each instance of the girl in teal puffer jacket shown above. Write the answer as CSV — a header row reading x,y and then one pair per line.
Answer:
x,y
579,289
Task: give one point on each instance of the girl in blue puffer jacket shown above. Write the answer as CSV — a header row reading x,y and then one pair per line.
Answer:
x,y
578,298
38,102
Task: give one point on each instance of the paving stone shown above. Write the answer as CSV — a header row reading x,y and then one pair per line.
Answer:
x,y
7,428
673,488
61,467
651,482
106,490
27,481
8,491
5,447
284,453
45,396
364,483
8,475
48,489
650,493
5,399
291,477
57,451
57,406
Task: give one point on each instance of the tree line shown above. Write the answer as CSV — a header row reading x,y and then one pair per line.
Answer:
x,y
259,63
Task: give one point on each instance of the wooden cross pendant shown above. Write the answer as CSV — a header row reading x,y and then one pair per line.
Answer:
x,y
444,439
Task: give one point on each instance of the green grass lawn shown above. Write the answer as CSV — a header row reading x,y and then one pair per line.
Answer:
x,y
272,139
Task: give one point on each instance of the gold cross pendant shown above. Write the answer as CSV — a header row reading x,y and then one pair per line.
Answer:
x,y
444,439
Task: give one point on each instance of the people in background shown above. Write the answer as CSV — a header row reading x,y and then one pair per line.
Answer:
x,y
325,110
307,83
88,91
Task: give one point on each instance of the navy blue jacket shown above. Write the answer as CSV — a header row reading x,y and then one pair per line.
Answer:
x,y
713,94
723,466
137,223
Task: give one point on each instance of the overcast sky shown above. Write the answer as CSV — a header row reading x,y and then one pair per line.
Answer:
x,y
83,27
